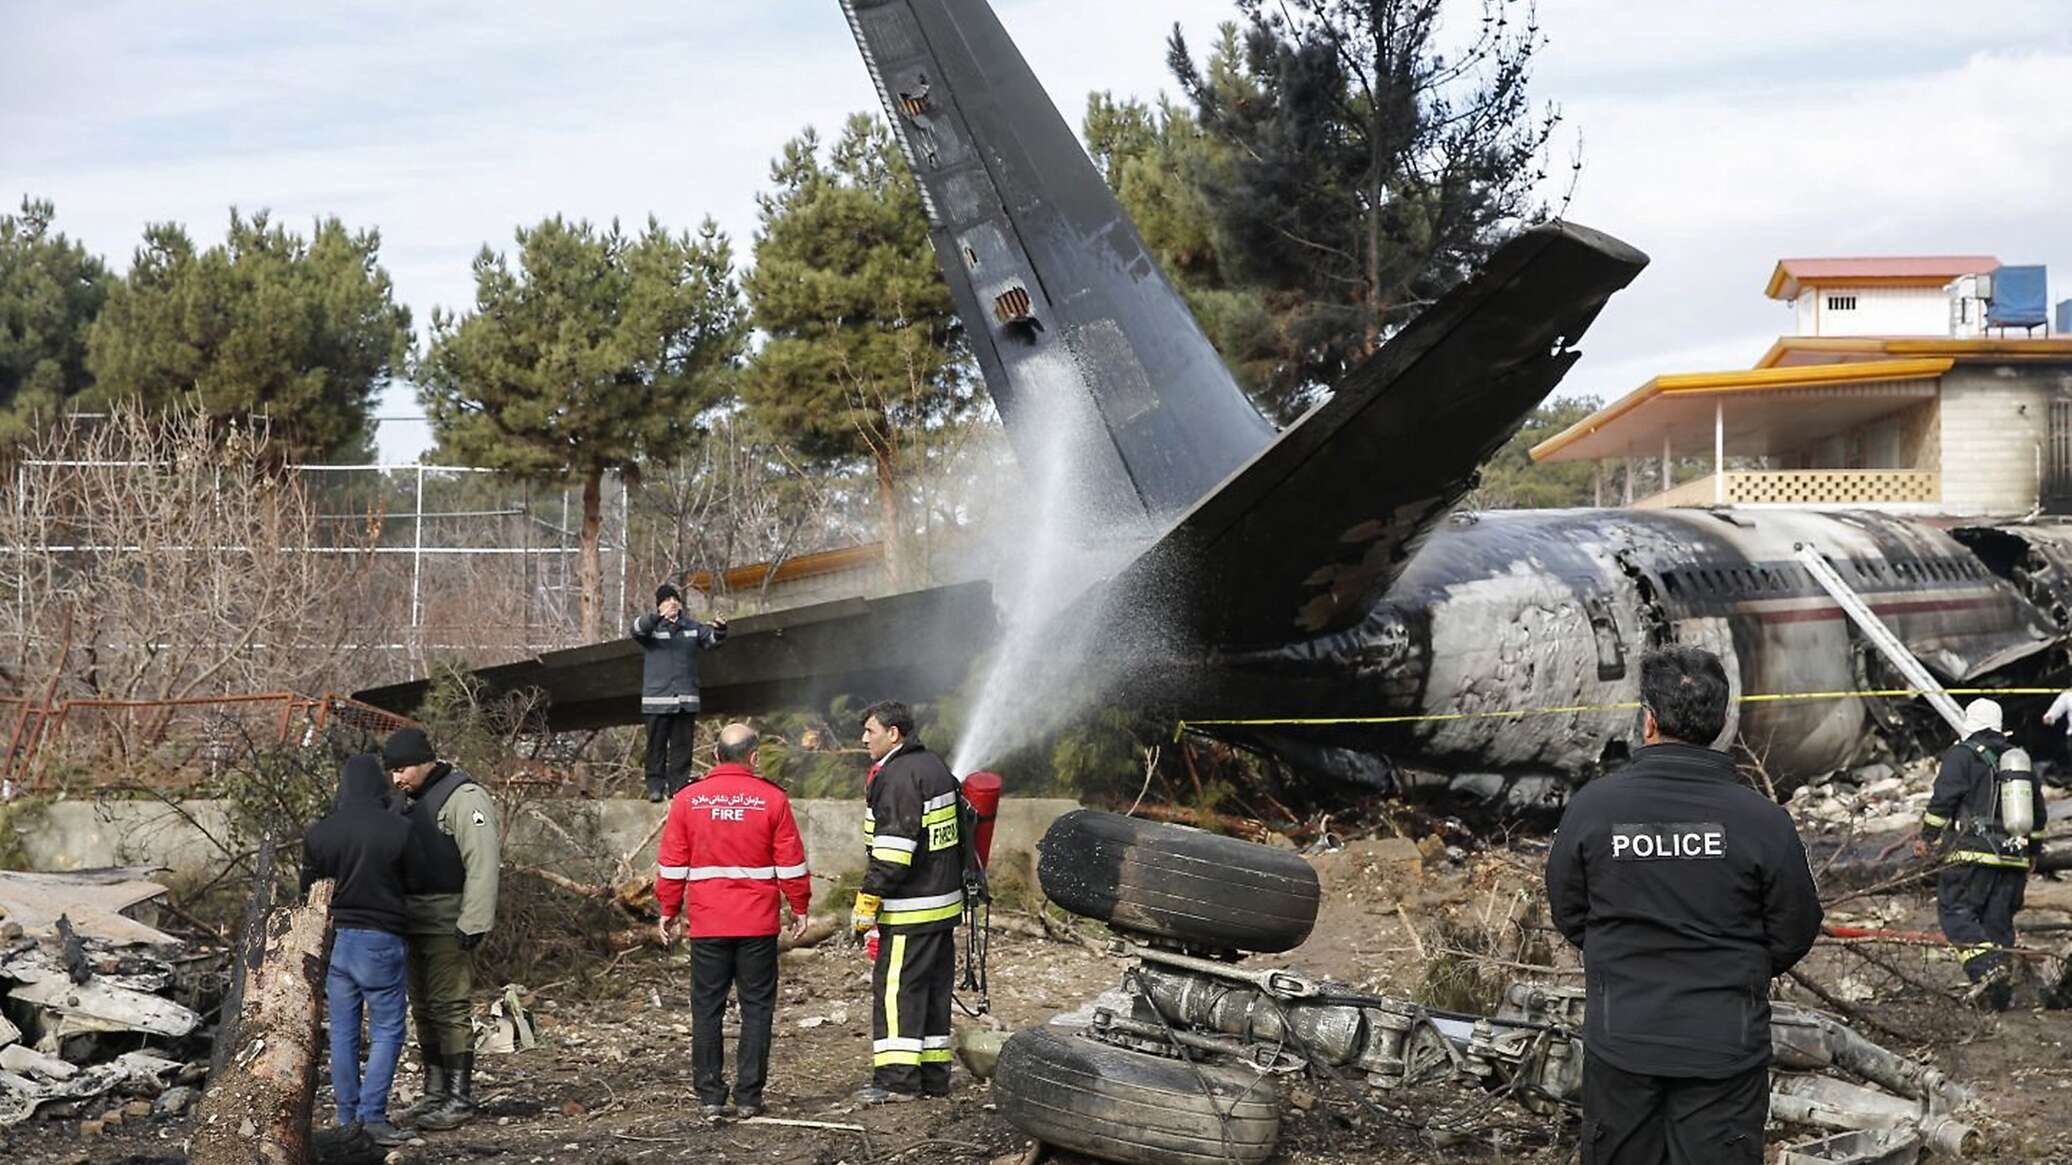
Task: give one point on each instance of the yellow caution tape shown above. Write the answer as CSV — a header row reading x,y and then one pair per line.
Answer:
x,y
1182,726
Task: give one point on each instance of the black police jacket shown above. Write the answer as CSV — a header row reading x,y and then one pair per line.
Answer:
x,y
1686,892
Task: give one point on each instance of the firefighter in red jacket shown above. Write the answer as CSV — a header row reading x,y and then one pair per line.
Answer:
x,y
731,836
913,892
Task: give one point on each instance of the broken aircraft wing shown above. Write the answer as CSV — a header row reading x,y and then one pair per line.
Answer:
x,y
918,641
1302,538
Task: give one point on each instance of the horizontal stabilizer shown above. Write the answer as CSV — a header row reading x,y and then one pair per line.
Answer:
x,y
921,641
1301,539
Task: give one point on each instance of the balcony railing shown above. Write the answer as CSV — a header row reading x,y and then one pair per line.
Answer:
x,y
1804,487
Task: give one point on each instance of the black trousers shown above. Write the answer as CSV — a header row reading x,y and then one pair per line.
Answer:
x,y
1630,1119
910,1011
749,966
669,739
1976,905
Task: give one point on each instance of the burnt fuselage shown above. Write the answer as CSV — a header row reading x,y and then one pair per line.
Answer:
x,y
1510,611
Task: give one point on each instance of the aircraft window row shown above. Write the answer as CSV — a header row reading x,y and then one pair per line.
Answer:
x,y
1783,578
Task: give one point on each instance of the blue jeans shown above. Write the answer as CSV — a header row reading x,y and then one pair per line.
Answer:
x,y
366,966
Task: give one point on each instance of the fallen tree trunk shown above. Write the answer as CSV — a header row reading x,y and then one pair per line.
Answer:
x,y
258,1108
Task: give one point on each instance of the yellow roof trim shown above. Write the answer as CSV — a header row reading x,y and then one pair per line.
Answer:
x,y
744,578
1988,347
1741,380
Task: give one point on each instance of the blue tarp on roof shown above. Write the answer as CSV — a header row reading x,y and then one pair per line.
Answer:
x,y
2018,298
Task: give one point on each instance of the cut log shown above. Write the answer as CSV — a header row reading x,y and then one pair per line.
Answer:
x,y
258,1109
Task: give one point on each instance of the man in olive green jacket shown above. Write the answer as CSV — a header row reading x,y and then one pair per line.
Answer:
x,y
454,832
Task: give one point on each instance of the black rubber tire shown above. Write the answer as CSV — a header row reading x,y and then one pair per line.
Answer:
x,y
1169,881
1139,1109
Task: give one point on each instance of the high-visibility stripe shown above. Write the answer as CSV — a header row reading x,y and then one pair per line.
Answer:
x,y
898,857
934,803
1934,819
953,898
894,1059
917,917
892,971
1974,858
935,1042
935,1056
887,841
897,1044
937,816
798,871
757,873
678,873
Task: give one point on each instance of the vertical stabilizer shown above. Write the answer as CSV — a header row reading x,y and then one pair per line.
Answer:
x,y
1073,321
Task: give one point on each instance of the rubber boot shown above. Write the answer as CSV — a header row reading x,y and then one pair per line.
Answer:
x,y
434,1096
459,1108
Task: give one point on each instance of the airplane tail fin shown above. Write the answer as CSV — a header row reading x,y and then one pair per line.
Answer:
x,y
1080,336
1303,538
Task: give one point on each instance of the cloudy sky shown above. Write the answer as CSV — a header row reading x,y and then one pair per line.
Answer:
x,y
1717,135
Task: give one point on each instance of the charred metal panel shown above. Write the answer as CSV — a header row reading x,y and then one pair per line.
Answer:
x,y
2036,558
1073,322
1508,611
1307,536
919,642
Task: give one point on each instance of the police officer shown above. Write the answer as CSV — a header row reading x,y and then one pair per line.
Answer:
x,y
913,892
453,827
1687,892
1985,870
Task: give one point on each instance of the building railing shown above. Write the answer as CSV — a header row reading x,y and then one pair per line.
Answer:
x,y
1803,487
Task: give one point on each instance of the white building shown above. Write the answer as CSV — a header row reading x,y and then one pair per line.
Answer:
x,y
1904,296
1892,394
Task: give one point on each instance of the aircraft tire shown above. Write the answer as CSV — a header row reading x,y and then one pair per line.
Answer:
x,y
1133,1107
1172,882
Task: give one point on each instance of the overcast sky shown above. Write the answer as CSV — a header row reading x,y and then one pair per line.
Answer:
x,y
1717,135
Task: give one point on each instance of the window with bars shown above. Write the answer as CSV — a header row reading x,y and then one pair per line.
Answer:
x,y
1841,303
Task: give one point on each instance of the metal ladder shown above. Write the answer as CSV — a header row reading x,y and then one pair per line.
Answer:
x,y
1881,637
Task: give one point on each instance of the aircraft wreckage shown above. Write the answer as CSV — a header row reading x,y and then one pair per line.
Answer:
x,y
1184,1062
1321,572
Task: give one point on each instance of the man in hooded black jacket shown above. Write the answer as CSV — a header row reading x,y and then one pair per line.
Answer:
x,y
365,849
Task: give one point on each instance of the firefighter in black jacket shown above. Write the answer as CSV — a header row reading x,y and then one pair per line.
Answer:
x,y
1686,892
1985,870
670,641
913,892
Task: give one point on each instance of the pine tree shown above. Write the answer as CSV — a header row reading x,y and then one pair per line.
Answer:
x,y
50,292
865,353
1359,170
596,353
296,335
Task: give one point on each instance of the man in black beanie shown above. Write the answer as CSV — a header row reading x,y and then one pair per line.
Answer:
x,y
453,831
671,641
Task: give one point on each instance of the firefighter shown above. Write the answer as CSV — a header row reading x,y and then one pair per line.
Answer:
x,y
731,838
669,642
913,893
1686,891
1985,868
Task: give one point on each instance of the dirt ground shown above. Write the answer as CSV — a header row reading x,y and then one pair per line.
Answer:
x,y
611,1079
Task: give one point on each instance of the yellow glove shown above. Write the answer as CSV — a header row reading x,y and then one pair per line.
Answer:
x,y
864,914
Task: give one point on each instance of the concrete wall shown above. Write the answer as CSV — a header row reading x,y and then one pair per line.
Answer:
x,y
73,835
1995,423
